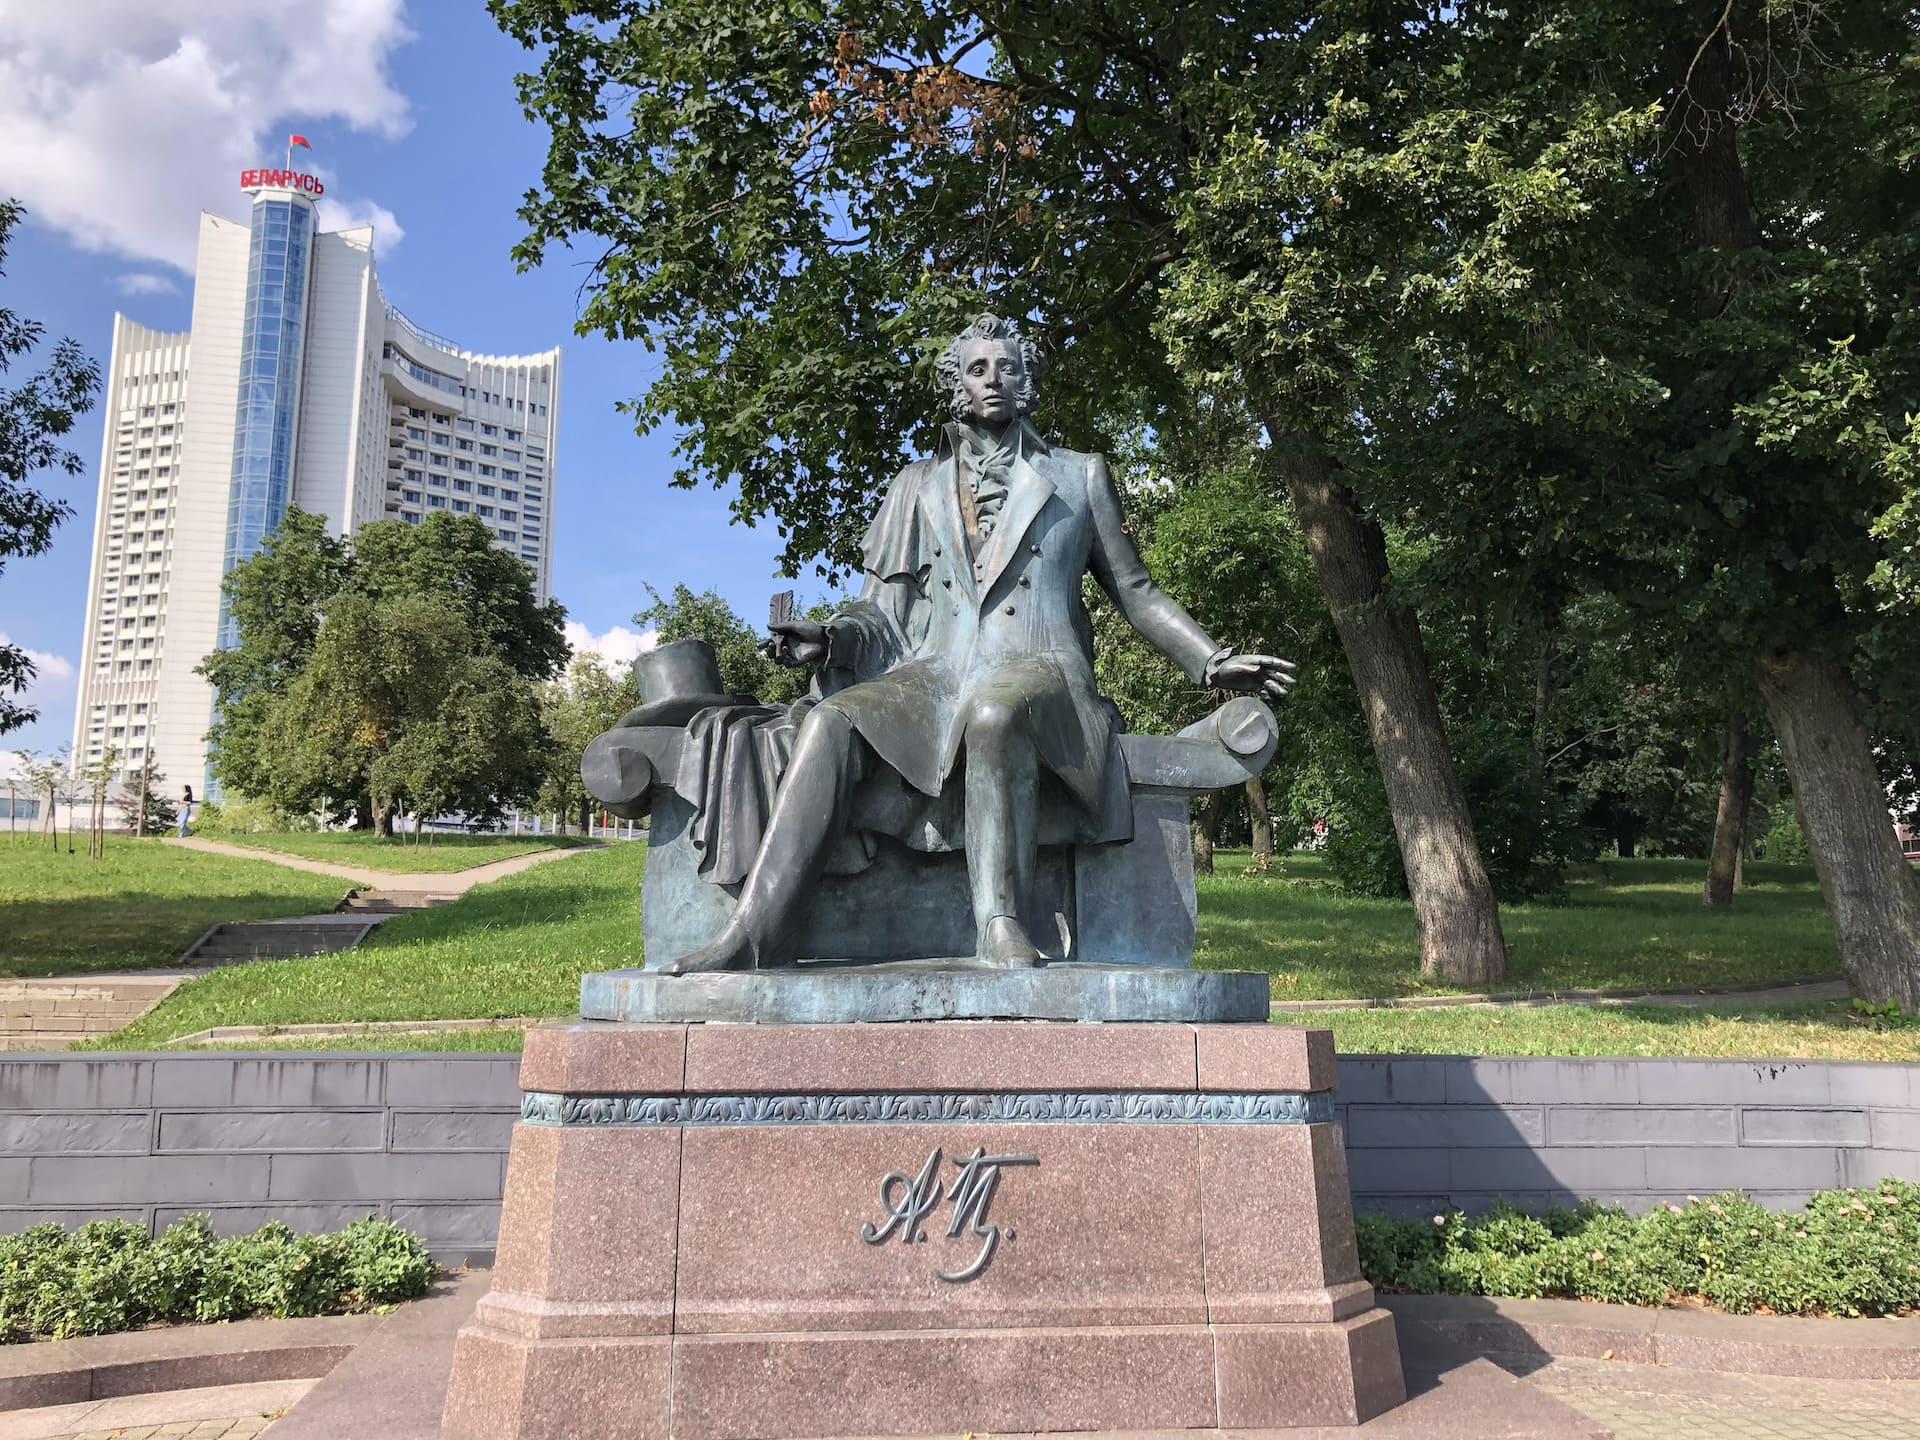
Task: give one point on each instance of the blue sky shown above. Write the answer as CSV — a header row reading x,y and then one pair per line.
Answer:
x,y
112,133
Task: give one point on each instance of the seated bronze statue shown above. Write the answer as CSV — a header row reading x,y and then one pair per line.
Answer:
x,y
960,682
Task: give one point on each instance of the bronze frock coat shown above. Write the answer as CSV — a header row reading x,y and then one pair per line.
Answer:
x,y
938,628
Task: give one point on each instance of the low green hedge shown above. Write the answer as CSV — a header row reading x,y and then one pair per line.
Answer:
x,y
111,1275
1850,1252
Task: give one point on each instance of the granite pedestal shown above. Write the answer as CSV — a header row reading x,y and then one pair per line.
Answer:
x,y
923,1228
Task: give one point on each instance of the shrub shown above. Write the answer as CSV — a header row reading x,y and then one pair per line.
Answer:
x,y
1787,843
110,1275
1851,1252
245,815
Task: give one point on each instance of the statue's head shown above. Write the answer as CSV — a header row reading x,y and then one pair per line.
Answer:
x,y
991,372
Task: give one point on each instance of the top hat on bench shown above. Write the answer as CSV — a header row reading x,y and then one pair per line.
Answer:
x,y
677,681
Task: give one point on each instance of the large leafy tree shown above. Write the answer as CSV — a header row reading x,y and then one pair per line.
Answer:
x,y
399,702
35,415
317,705
792,197
744,666
584,703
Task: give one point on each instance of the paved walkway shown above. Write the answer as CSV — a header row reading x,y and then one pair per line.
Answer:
x,y
1657,1402
224,1412
437,882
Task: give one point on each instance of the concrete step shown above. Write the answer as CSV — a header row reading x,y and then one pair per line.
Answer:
x,y
240,941
392,902
52,1012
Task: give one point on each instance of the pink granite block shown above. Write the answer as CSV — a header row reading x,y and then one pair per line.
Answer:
x,y
1279,1225
1263,1057
1102,1230
507,1389
1341,1373
948,1382
592,1059
587,1229
948,1055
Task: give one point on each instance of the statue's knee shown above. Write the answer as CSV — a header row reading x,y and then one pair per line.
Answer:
x,y
992,722
824,728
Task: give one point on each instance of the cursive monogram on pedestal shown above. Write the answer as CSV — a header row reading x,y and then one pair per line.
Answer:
x,y
908,1202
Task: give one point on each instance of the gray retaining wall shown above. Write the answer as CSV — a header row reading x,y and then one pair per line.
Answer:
x,y
319,1140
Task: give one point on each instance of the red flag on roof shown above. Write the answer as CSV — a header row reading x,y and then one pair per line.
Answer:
x,y
299,140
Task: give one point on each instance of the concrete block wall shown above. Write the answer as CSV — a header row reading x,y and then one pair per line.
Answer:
x,y
1429,1133
315,1141
320,1140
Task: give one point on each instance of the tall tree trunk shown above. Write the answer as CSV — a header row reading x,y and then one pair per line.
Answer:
x,y
1262,823
1872,892
1460,937
383,821
1730,821
1206,831
1542,705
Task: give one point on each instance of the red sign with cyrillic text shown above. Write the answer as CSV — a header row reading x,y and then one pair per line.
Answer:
x,y
281,180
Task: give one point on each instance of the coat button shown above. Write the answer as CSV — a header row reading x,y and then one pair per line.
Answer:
x,y
948,583
1034,548
1009,609
936,550
1026,580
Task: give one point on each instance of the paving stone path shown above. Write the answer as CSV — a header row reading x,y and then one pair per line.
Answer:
x,y
438,882
223,1412
1658,1402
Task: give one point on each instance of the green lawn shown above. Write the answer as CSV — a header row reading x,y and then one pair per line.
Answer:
x,y
515,947
437,855
1801,1032
518,948
1629,924
141,905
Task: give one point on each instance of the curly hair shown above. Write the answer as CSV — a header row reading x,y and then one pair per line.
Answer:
x,y
990,327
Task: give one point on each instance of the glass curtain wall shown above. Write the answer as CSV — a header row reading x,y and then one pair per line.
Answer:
x,y
270,351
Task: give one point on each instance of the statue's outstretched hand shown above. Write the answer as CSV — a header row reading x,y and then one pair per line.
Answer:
x,y
797,642
1266,675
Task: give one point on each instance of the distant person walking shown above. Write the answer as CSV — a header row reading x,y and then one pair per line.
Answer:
x,y
186,808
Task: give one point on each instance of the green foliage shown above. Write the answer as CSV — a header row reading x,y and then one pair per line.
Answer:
x,y
1851,1252
576,709
744,667
35,416
109,1275
145,801
1787,842
394,670
247,815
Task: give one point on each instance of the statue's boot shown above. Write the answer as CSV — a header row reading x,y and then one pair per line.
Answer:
x,y
732,949
1005,945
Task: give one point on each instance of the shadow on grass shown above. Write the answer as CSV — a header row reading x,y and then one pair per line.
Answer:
x,y
87,934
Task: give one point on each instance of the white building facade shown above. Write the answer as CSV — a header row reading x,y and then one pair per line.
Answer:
x,y
297,385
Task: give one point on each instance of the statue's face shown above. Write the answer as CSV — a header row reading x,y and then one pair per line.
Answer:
x,y
993,376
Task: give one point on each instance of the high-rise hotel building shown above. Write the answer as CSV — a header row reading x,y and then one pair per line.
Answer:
x,y
297,385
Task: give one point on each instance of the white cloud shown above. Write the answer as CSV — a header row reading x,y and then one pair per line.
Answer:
x,y
120,120
143,283
338,215
54,683
618,647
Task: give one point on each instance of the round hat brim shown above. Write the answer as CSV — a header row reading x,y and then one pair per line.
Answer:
x,y
676,710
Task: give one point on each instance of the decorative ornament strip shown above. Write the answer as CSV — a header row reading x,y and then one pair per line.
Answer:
x,y
1048,1107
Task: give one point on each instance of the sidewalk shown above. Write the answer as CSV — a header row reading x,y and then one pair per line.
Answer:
x,y
437,882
